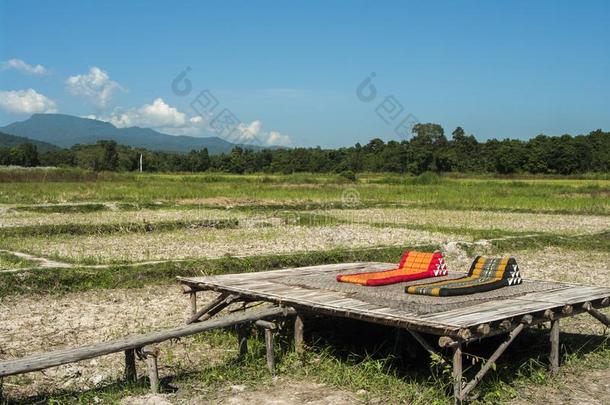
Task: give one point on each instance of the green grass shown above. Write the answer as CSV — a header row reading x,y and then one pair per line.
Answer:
x,y
81,279
365,365
528,195
118,228
63,208
10,261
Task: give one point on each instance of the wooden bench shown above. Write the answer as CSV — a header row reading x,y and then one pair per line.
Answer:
x,y
137,344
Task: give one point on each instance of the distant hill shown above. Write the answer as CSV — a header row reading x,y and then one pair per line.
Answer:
x,y
10,141
67,130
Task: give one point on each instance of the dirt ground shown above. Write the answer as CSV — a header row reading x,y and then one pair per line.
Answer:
x,y
29,325
589,388
214,243
281,392
514,221
32,324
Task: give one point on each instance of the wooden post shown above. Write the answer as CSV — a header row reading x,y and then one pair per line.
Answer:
x,y
269,347
193,298
554,354
398,344
131,375
242,340
457,374
299,342
151,354
269,327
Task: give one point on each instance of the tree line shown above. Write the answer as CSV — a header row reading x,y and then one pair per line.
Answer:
x,y
428,150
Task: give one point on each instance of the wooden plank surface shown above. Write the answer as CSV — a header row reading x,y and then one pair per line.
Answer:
x,y
271,286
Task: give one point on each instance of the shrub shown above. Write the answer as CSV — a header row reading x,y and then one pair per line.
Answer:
x,y
348,175
427,178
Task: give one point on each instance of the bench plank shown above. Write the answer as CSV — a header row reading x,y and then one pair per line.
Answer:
x,y
57,358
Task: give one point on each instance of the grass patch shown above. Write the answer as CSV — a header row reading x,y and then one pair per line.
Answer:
x,y
10,261
121,276
359,358
63,208
600,241
106,229
527,195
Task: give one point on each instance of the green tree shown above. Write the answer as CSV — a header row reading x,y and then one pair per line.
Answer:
x,y
198,160
110,156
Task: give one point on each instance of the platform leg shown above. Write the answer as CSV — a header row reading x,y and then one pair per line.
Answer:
x,y
397,350
457,374
299,342
242,340
150,355
131,374
193,299
269,346
554,354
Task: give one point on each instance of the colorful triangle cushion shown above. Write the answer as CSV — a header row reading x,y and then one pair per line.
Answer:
x,y
413,266
485,274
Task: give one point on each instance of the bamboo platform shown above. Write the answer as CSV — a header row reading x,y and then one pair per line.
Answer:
x,y
455,320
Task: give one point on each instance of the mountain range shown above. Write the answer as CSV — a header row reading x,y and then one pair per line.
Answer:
x,y
9,141
66,130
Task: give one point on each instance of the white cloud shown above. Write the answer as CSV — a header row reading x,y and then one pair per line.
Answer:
x,y
276,138
26,102
24,67
95,86
161,116
253,134
158,115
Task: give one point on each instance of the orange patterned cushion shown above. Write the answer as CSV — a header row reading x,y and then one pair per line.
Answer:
x,y
413,266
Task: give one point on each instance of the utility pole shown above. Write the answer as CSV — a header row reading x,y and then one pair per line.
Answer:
x,y
140,163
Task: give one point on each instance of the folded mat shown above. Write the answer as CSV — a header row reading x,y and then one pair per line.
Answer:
x,y
485,274
413,266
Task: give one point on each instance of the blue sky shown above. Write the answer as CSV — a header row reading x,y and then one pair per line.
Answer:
x,y
289,72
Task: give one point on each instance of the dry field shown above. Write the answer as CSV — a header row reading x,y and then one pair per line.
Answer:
x,y
200,368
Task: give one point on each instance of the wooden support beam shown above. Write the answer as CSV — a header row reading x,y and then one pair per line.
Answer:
x,y
216,305
554,353
600,316
265,324
151,354
299,341
457,374
527,319
506,325
605,302
464,334
549,314
420,339
446,341
489,363
567,310
131,374
483,329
